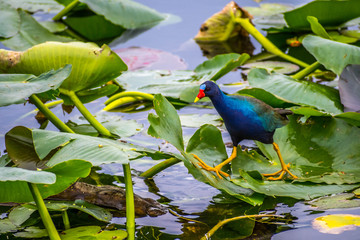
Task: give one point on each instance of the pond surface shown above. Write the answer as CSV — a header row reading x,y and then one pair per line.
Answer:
x,y
175,187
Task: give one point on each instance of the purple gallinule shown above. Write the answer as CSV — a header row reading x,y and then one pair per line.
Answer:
x,y
245,118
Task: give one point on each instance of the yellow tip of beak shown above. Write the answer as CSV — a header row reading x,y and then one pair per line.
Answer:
x,y
196,99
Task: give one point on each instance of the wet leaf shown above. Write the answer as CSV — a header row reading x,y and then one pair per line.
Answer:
x,y
335,56
92,232
12,19
126,13
15,88
299,92
330,13
30,34
93,149
336,223
166,124
336,201
101,64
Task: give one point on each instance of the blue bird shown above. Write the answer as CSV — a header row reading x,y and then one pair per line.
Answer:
x,y
245,118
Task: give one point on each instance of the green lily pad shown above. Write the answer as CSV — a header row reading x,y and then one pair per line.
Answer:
x,y
36,5
101,64
30,34
15,88
196,120
51,181
126,13
166,124
331,13
32,232
7,226
12,19
336,201
300,92
335,56
92,232
93,149
314,151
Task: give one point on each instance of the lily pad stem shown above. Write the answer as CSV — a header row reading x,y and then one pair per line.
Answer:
x,y
50,115
67,9
221,223
66,220
130,94
130,207
306,71
45,216
159,167
91,119
266,43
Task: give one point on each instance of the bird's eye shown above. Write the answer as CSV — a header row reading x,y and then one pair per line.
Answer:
x,y
207,89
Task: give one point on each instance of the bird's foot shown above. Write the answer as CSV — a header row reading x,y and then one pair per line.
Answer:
x,y
281,172
216,169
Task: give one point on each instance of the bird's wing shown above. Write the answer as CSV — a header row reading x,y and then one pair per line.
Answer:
x,y
271,118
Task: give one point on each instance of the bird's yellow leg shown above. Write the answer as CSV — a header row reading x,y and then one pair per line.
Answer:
x,y
284,167
217,168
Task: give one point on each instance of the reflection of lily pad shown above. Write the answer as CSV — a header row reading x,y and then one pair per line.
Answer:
x,y
272,66
147,58
336,223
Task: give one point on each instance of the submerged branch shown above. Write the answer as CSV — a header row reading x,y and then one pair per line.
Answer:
x,y
110,196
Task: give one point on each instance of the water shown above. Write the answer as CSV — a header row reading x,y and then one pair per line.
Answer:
x,y
175,187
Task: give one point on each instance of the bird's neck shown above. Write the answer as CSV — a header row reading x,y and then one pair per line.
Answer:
x,y
219,102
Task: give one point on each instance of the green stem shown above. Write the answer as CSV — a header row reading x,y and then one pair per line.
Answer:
x,y
306,71
66,220
130,94
130,207
220,224
44,214
67,9
50,115
159,167
83,110
266,43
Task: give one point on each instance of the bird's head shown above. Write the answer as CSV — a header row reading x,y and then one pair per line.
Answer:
x,y
207,89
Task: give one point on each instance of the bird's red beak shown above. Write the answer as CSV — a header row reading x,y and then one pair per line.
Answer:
x,y
200,95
